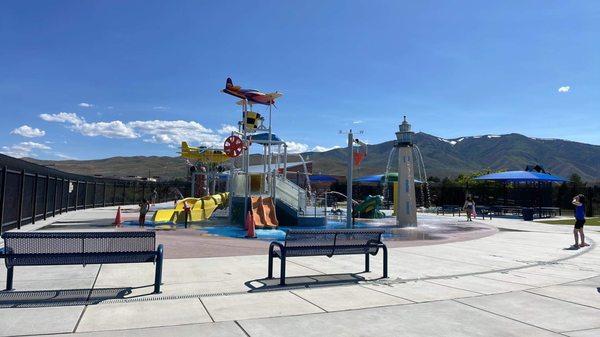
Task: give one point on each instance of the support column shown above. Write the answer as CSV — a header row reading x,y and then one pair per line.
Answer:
x,y
349,181
2,196
22,192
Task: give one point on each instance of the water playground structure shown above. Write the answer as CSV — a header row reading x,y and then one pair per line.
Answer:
x,y
369,208
224,178
265,194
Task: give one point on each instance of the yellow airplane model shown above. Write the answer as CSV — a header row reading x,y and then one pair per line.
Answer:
x,y
203,154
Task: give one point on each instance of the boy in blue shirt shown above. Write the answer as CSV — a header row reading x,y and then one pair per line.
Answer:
x,y
579,202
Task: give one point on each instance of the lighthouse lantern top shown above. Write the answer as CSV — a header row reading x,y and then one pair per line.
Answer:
x,y
404,136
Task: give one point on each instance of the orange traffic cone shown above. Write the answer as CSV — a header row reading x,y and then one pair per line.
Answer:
x,y
249,224
247,220
118,221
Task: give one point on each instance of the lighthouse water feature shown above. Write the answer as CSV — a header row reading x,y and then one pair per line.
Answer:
x,y
406,204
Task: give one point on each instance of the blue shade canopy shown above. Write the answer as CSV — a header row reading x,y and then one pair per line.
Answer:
x,y
379,178
320,178
263,138
370,179
518,176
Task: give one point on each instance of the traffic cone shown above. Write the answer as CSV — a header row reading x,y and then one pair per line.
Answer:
x,y
118,221
247,220
250,226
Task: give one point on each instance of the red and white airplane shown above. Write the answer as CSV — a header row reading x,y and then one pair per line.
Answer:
x,y
251,95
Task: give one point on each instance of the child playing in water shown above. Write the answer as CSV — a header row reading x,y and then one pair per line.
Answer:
x,y
469,208
579,202
144,207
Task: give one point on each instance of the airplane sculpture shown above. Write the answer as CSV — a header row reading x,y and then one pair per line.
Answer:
x,y
250,95
203,154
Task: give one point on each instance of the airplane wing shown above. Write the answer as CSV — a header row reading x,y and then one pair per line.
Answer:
x,y
274,95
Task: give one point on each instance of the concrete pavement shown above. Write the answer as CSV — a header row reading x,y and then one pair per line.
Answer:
x,y
520,281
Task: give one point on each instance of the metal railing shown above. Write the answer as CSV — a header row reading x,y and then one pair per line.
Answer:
x,y
290,193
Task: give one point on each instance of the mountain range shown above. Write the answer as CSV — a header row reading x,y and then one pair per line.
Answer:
x,y
442,158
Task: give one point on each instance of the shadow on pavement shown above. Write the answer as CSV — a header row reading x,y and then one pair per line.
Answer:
x,y
62,297
296,282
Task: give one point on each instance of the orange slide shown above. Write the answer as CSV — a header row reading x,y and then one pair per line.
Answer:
x,y
263,212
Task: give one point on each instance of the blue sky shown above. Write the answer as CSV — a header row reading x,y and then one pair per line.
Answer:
x,y
149,72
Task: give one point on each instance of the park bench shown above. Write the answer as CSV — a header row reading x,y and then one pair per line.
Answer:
x,y
327,243
73,248
448,209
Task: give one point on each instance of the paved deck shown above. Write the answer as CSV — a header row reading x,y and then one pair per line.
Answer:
x,y
520,281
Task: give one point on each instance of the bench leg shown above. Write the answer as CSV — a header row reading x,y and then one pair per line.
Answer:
x,y
282,274
367,267
9,278
270,274
385,262
158,272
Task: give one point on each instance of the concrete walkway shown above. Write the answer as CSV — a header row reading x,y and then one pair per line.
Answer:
x,y
518,282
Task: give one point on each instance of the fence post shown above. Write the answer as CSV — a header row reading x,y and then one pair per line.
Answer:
x,y
21,192
124,190
62,195
85,186
47,188
2,193
54,198
34,198
94,195
104,195
114,192
76,193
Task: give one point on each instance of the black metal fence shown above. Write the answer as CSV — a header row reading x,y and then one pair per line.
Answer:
x,y
492,194
30,192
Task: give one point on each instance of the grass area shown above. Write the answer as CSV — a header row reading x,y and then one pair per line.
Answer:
x,y
588,222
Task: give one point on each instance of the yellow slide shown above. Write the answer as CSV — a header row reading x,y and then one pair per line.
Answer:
x,y
200,209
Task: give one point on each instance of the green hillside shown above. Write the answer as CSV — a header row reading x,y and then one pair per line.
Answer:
x,y
442,157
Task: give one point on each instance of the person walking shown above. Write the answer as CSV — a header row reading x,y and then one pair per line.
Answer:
x,y
154,197
144,208
469,208
579,202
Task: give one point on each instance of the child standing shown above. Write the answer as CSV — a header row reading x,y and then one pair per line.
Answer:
x,y
579,202
144,208
469,208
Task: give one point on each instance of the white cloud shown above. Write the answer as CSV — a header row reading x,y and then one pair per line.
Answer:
x,y
23,149
160,107
227,129
65,157
174,132
357,122
28,131
564,89
62,117
293,147
110,107
85,105
154,131
113,129
320,148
